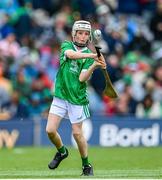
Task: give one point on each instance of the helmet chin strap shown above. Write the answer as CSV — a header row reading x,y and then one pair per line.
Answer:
x,y
80,45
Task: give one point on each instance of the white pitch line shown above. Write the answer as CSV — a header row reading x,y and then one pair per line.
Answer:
x,y
99,173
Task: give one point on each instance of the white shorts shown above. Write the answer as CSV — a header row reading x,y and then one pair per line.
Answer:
x,y
64,109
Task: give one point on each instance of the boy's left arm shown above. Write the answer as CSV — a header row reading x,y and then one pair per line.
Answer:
x,y
85,74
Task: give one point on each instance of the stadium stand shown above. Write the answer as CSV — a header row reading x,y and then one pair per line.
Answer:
x,y
30,37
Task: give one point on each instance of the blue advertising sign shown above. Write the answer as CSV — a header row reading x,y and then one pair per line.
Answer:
x,y
16,133
101,130
109,132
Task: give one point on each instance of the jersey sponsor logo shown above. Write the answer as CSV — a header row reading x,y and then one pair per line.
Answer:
x,y
74,67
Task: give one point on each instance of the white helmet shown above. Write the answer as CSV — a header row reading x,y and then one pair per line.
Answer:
x,y
81,25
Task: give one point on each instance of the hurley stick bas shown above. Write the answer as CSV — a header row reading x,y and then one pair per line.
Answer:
x,y
109,89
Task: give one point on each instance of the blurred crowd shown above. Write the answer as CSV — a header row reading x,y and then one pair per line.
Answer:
x,y
30,36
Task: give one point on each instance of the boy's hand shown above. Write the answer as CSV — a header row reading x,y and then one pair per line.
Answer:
x,y
101,62
94,56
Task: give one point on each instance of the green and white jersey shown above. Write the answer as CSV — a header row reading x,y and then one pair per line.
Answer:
x,y
67,85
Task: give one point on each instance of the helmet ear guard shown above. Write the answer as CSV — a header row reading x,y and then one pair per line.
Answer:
x,y
81,25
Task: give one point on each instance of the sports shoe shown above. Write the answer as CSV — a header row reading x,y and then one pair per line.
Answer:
x,y
87,170
57,159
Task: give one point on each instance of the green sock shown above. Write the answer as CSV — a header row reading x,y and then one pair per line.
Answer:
x,y
85,161
62,150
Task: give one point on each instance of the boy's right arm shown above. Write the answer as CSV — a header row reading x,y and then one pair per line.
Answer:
x,y
79,55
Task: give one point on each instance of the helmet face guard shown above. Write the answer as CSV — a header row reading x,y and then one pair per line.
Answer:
x,y
84,26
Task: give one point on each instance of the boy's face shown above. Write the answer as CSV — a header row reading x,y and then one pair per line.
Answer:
x,y
82,36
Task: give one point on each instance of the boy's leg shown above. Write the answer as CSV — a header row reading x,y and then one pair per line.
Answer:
x,y
83,148
80,139
51,129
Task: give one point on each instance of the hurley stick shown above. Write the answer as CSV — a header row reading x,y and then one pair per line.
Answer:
x,y
109,89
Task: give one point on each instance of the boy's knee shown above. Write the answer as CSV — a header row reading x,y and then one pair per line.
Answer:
x,y
77,135
50,131
77,131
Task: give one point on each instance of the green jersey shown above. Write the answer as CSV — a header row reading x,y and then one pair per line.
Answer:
x,y
67,85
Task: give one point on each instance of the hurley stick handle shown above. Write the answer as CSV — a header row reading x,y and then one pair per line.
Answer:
x,y
98,50
103,70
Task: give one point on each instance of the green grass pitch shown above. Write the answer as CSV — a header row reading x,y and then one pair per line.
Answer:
x,y
31,162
